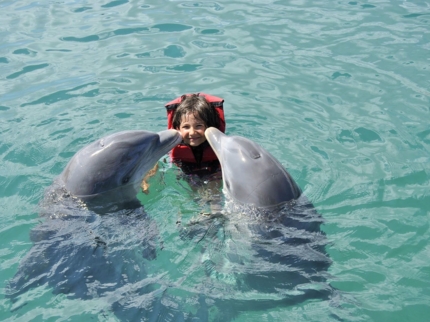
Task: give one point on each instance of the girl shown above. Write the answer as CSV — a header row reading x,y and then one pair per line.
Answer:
x,y
191,118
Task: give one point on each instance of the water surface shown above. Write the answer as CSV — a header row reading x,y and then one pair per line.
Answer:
x,y
337,91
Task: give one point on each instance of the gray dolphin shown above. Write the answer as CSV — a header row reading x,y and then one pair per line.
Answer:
x,y
251,175
109,171
275,244
75,248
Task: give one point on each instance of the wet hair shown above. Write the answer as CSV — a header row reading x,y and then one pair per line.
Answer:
x,y
199,107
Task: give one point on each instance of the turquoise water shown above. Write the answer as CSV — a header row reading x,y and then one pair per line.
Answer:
x,y
338,91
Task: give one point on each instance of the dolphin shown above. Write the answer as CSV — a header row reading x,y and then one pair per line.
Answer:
x,y
251,175
108,172
269,232
75,250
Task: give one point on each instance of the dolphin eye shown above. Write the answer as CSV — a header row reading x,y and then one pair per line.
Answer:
x,y
125,180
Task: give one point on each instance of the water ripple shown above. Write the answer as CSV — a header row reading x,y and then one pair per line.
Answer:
x,y
65,95
26,69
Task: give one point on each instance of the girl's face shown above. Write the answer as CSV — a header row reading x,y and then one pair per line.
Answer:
x,y
192,130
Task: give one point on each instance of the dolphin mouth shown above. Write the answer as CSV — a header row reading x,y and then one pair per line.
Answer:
x,y
214,136
168,139
167,135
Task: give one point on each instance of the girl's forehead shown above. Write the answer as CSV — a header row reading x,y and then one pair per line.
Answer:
x,y
191,117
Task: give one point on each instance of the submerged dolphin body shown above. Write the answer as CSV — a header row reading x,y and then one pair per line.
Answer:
x,y
80,253
251,175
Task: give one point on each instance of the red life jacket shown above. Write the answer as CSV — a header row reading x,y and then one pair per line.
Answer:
x,y
183,152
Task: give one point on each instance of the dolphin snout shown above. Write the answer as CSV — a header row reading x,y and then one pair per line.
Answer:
x,y
170,137
215,137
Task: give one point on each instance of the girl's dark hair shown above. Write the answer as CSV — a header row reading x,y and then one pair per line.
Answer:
x,y
199,107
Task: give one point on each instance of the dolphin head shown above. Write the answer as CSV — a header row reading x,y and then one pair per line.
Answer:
x,y
116,161
251,175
